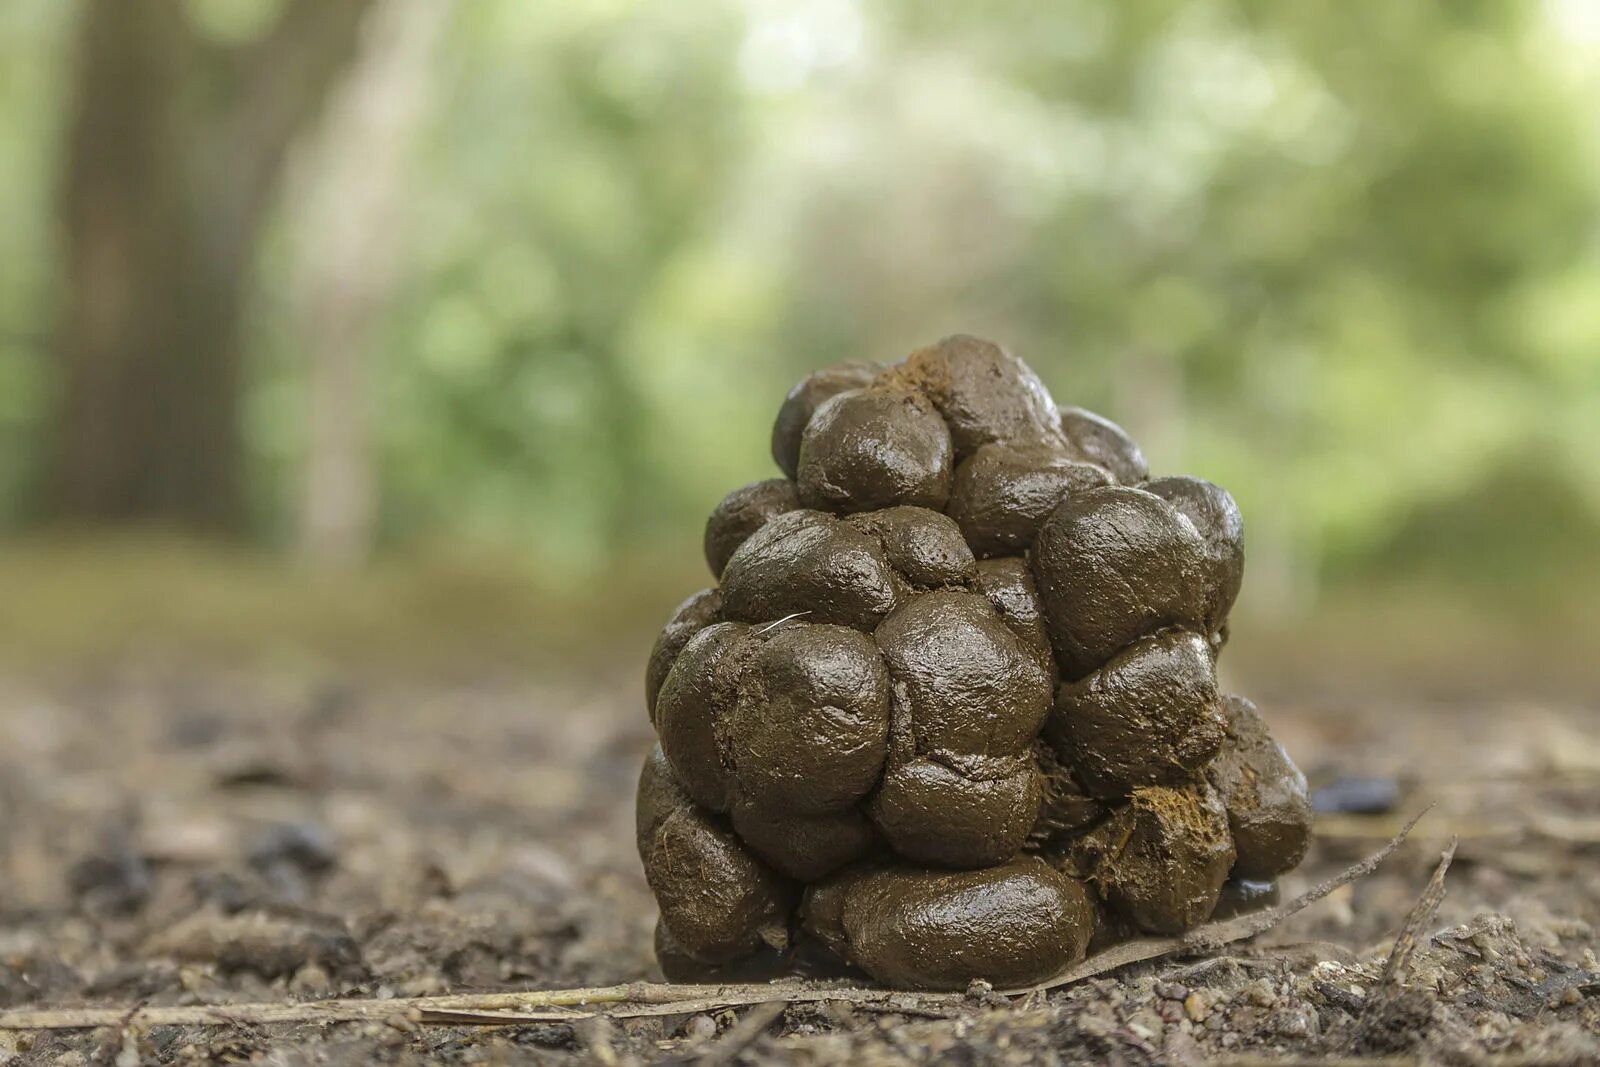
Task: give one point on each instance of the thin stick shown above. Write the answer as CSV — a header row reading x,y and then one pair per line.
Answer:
x,y
1422,913
780,622
638,999
1377,1013
635,1000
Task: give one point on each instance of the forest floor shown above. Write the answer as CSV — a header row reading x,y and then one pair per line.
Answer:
x,y
184,835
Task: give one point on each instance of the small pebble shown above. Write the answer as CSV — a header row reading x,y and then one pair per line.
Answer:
x,y
548,1036
116,879
311,980
305,845
1182,1050
1357,796
1147,1024
700,1028
1195,1006
1295,1024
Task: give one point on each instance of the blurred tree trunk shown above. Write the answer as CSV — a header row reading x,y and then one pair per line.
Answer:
x,y
175,149
347,200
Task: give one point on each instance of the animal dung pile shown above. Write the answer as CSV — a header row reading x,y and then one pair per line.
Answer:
x,y
952,711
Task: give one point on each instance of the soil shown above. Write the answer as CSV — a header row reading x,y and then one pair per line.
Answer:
x,y
204,836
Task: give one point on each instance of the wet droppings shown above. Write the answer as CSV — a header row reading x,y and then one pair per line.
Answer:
x,y
1269,813
1003,493
957,692
743,512
929,929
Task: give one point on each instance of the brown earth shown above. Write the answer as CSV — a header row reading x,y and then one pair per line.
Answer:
x,y
206,836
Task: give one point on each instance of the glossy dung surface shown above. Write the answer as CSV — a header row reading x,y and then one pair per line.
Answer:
x,y
952,712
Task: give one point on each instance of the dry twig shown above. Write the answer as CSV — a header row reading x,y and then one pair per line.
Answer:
x,y
1422,914
1381,1016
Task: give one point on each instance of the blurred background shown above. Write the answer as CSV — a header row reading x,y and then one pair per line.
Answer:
x,y
405,332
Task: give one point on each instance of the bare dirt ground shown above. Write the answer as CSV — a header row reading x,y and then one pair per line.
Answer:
x,y
174,837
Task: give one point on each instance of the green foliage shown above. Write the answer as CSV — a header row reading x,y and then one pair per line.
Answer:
x,y
1338,256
